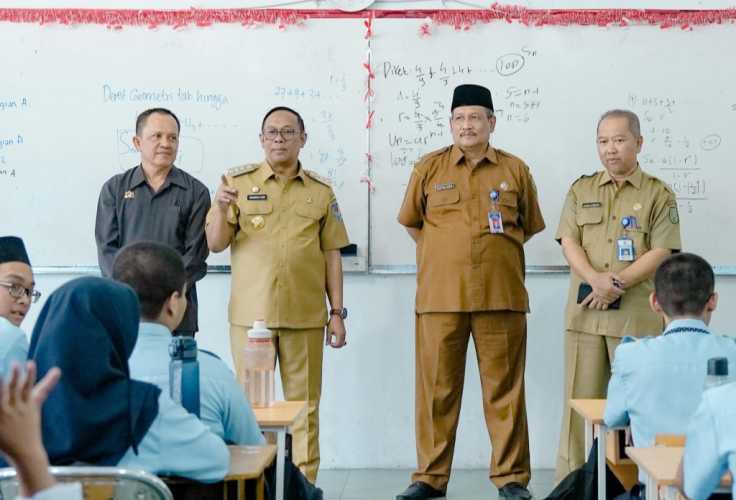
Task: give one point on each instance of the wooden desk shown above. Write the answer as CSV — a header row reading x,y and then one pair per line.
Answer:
x,y
592,411
277,418
659,465
248,463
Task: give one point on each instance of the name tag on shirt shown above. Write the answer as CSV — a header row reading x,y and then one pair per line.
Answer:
x,y
495,222
257,197
625,249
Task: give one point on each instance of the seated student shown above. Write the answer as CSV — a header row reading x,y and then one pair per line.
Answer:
x,y
16,279
20,434
156,273
710,443
97,414
657,381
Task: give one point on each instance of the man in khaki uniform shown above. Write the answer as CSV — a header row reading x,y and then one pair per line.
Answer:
x,y
617,226
470,208
285,230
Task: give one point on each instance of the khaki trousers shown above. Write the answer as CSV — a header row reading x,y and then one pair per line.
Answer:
x,y
588,361
441,348
299,354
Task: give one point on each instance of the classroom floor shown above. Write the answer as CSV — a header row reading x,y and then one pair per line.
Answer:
x,y
385,484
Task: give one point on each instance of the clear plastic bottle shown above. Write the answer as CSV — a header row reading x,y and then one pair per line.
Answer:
x,y
259,360
717,372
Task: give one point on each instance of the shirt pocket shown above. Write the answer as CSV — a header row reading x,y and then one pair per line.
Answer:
x,y
443,207
255,217
590,222
306,224
640,236
507,205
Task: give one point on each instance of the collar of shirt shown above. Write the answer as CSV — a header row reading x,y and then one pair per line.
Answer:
x,y
153,330
457,154
686,324
7,329
174,177
634,179
265,172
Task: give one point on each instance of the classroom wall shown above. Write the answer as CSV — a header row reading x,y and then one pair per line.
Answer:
x,y
368,396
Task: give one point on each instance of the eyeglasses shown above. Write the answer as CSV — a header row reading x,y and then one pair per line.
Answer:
x,y
18,291
287,133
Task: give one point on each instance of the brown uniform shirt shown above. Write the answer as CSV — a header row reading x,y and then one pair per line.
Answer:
x,y
277,253
461,266
592,217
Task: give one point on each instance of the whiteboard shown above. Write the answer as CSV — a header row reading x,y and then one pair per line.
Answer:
x,y
549,87
69,97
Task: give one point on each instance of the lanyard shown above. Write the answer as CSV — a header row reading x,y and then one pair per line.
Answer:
x,y
686,329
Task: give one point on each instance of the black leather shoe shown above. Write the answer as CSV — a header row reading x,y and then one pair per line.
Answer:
x,y
419,491
514,491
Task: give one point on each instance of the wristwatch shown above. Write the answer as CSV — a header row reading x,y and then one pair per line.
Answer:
x,y
343,313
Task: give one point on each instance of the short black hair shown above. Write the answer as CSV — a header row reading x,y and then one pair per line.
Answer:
x,y
683,284
283,108
140,122
153,270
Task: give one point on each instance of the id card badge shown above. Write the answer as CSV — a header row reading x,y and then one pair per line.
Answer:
x,y
625,249
495,223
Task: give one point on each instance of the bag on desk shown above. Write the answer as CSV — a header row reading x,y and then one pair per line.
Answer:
x,y
582,484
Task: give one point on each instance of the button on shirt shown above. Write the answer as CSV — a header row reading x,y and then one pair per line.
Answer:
x,y
461,266
710,443
592,218
282,230
657,381
129,211
13,346
224,407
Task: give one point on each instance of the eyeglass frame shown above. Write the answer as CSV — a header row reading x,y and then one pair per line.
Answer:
x,y
280,132
32,294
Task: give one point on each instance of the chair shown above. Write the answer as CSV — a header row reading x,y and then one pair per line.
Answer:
x,y
98,483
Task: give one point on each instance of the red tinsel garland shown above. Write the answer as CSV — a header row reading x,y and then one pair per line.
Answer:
x,y
460,19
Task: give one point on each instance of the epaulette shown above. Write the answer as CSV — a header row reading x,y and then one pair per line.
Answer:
x,y
242,169
505,153
314,175
436,152
210,353
585,176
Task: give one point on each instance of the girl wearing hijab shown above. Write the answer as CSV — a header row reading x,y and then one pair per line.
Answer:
x,y
97,414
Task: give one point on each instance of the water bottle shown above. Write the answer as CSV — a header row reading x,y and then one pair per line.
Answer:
x,y
184,373
259,360
717,372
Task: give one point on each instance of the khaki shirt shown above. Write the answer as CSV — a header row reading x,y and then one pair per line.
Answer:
x,y
592,217
461,266
277,253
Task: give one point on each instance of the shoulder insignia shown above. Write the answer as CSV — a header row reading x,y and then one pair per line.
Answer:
x,y
242,169
210,353
314,175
